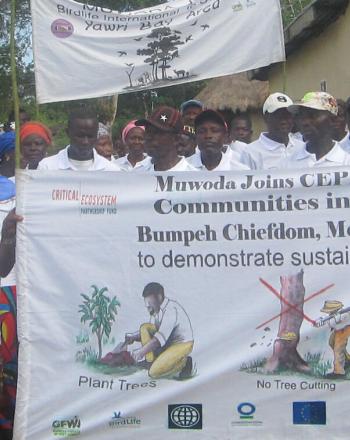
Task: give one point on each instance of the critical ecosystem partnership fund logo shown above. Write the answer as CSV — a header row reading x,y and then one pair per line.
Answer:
x,y
66,427
185,416
309,413
246,415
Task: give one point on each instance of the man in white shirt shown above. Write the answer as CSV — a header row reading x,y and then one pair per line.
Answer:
x,y
315,112
345,142
162,130
211,133
273,147
241,129
80,154
167,340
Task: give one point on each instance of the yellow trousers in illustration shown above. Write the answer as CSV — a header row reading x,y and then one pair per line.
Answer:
x,y
338,341
171,361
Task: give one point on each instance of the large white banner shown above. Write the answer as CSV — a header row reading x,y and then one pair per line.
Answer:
x,y
83,51
184,305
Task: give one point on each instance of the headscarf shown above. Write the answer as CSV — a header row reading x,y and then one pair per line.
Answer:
x,y
7,142
33,127
7,189
129,127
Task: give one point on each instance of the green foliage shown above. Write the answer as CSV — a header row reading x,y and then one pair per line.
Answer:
x,y
292,8
100,311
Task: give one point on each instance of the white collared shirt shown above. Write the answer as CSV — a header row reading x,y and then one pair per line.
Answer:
x,y
240,148
303,159
147,166
60,161
269,154
345,143
229,161
125,164
172,323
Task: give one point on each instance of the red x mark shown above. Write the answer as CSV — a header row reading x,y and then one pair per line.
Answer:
x,y
291,306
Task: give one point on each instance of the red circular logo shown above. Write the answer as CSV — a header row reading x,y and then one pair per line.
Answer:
x,y
62,28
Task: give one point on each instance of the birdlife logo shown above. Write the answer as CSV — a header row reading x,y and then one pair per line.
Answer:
x,y
185,416
120,421
246,415
62,28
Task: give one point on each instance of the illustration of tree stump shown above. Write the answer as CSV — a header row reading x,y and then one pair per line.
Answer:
x,y
285,354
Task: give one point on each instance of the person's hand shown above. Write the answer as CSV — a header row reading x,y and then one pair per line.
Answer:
x,y
319,322
8,232
129,338
138,354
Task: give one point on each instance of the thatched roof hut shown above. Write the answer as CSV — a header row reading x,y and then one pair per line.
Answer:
x,y
234,92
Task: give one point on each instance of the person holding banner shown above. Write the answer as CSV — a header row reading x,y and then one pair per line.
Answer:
x,y
35,139
315,112
162,130
134,138
80,154
211,134
167,340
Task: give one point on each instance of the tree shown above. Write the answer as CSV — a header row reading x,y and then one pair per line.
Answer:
x,y
100,310
162,49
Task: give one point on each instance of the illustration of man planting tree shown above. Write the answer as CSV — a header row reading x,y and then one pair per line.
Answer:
x,y
164,343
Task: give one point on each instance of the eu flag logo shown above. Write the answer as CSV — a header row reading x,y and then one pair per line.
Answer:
x,y
309,413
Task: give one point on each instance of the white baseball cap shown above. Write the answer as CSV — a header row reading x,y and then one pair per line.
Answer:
x,y
275,102
318,101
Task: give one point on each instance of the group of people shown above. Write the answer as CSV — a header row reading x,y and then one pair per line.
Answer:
x,y
312,132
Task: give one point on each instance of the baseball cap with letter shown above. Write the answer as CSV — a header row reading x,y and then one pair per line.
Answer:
x,y
275,102
164,118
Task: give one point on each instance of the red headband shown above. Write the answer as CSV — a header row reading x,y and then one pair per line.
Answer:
x,y
35,128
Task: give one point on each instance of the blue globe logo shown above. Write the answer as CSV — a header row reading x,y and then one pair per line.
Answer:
x,y
185,416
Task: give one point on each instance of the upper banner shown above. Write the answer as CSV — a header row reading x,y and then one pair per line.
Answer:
x,y
83,51
210,306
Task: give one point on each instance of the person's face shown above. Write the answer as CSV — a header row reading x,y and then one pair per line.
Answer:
x,y
135,140
23,118
190,114
241,131
7,164
338,124
83,136
186,145
120,148
210,137
314,124
33,149
279,123
159,143
153,303
104,147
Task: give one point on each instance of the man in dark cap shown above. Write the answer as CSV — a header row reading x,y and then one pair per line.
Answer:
x,y
211,134
162,131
